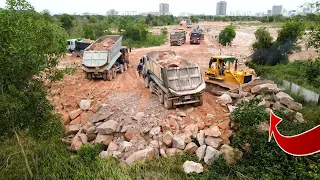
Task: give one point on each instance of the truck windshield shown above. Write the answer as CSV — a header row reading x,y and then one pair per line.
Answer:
x,y
195,35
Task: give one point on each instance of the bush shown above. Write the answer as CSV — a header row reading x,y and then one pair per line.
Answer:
x,y
227,35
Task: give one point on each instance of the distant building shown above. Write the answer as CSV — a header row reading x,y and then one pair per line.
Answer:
x,y
269,13
260,14
112,12
152,13
277,10
221,8
163,9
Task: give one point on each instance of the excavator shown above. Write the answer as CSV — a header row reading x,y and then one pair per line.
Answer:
x,y
225,73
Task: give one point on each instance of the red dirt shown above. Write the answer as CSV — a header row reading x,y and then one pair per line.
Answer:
x,y
104,45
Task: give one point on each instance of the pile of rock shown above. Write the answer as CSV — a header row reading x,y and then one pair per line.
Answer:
x,y
165,139
272,98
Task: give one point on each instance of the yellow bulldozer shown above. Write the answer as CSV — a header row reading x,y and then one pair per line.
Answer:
x,y
223,71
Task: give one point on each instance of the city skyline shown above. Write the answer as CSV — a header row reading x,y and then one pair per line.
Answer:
x,y
139,6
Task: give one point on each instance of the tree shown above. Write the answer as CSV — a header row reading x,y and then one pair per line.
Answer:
x,y
194,19
30,45
66,21
314,33
227,35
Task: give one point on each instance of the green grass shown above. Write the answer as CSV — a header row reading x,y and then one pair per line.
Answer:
x,y
151,40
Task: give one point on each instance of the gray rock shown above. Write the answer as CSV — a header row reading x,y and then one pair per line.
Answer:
x,y
74,128
112,147
101,115
213,131
224,99
163,153
105,139
108,127
85,104
74,114
291,104
171,151
190,148
141,156
201,137
211,155
299,117
209,116
201,151
124,145
282,95
91,130
117,154
191,167
213,142
104,154
178,141
83,138
264,88
167,138
190,110
155,131
231,108
181,114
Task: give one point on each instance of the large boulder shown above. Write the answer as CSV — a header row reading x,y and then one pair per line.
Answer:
x,y
85,104
141,156
104,154
172,152
91,130
201,151
291,104
201,137
108,127
76,142
73,129
190,167
264,88
155,131
213,142
130,134
191,130
211,155
230,154
224,125
105,139
112,147
167,138
178,141
190,148
224,99
124,145
213,131
101,115
282,95
74,114
299,117
84,139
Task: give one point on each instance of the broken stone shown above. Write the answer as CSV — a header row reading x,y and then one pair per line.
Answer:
x,y
167,138
104,154
74,128
190,148
163,153
74,114
101,115
190,167
224,125
83,138
191,130
224,99
171,151
124,145
85,104
211,155
201,137
213,131
76,142
105,139
264,88
201,151
91,130
209,116
117,154
139,115
178,141
262,103
231,108
291,104
190,110
76,121
282,95
230,154
108,127
91,137
181,114
130,134
141,156
154,131
112,147
213,142
267,104
299,117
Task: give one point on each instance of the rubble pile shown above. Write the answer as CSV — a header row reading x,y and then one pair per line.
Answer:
x,y
104,45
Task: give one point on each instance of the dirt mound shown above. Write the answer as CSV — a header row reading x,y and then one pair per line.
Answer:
x,y
104,45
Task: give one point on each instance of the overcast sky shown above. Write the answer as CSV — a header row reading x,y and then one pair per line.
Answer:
x,y
176,6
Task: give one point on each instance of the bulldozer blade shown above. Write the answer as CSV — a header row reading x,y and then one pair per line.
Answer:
x,y
218,85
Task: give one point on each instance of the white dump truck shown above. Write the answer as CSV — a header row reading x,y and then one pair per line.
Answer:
x,y
105,57
173,79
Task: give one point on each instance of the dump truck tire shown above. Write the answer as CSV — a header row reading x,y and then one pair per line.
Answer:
x,y
146,81
125,66
151,87
167,103
108,75
201,101
114,73
89,76
161,93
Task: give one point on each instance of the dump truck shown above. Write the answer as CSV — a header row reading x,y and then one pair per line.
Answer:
x,y
104,58
173,79
189,23
178,37
195,37
77,46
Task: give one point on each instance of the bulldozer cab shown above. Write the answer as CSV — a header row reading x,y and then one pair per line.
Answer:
x,y
125,52
218,65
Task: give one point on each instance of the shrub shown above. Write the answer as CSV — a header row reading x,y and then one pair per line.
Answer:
x,y
227,35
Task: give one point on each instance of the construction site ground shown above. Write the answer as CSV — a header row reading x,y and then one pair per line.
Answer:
x,y
127,93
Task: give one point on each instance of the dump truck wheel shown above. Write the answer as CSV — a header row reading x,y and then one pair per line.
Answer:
x,y
121,68
167,103
151,87
146,82
108,75
161,96
114,73
201,101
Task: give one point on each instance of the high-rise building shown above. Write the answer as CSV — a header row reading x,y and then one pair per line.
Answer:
x,y
163,9
112,12
221,8
269,13
277,10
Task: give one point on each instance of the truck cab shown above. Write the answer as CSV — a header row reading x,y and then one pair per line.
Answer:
x,y
195,38
71,45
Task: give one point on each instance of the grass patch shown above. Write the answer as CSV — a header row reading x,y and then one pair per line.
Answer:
x,y
151,40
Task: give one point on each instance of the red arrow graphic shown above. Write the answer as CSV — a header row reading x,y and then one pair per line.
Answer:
x,y
303,144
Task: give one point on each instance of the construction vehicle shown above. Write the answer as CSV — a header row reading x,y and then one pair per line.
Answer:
x,y
77,46
189,23
173,79
178,37
195,37
105,57
225,73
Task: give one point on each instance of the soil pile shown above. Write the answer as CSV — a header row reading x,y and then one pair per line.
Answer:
x,y
104,45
